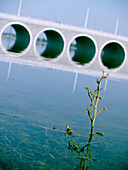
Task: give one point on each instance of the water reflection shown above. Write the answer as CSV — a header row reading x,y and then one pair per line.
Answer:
x,y
8,37
29,142
41,43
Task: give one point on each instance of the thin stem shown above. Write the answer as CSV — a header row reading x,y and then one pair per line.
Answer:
x,y
95,112
100,111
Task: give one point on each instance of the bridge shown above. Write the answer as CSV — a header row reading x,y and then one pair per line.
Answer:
x,y
59,46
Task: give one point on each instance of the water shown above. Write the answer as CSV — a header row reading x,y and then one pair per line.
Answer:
x,y
8,37
42,99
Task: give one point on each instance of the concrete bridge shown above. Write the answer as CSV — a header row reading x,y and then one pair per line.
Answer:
x,y
93,51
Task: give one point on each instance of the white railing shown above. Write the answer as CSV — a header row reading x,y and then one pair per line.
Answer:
x,y
62,26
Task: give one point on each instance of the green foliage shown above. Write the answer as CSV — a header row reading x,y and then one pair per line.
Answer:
x,y
105,109
68,131
87,88
100,133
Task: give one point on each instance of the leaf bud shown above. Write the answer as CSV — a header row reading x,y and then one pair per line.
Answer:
x,y
105,109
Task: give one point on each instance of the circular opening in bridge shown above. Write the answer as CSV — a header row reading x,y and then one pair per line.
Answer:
x,y
112,55
15,38
49,44
82,50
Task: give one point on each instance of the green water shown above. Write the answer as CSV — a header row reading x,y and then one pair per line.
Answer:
x,y
43,99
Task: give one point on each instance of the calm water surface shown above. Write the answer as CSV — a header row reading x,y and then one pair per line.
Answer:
x,y
36,100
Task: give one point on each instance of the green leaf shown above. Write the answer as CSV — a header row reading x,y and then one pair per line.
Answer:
x,y
71,142
105,109
106,76
75,146
95,91
90,111
88,88
100,97
91,105
97,81
100,133
92,93
68,131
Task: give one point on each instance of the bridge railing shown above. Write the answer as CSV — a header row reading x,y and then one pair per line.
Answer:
x,y
61,25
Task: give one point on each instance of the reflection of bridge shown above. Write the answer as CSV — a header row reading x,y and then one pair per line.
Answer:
x,y
93,50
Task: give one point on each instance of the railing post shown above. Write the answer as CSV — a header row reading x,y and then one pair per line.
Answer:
x,y
116,28
86,19
19,9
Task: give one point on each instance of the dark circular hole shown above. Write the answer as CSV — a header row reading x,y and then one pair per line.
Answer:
x,y
15,38
112,55
49,44
82,50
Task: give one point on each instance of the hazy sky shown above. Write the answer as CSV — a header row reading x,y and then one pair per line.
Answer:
x,y
103,13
